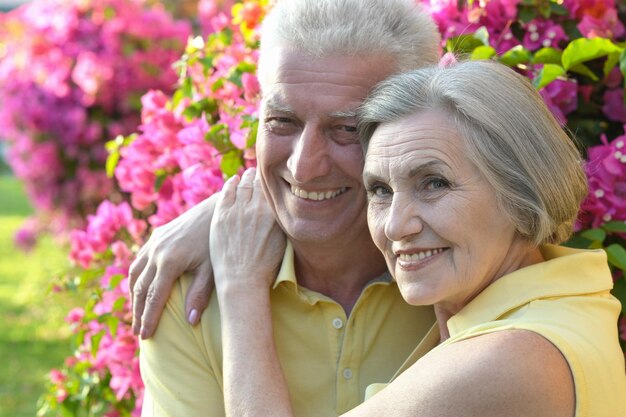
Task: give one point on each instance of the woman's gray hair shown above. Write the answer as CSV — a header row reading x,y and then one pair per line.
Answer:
x,y
511,136
399,28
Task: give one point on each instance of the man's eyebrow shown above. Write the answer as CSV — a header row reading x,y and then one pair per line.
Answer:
x,y
343,114
278,107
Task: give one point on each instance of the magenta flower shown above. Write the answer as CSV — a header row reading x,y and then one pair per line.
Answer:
x,y
543,34
606,173
607,25
561,98
70,77
614,108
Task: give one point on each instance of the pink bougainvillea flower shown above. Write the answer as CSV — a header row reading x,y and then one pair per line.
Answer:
x,y
543,34
606,173
561,98
608,25
614,108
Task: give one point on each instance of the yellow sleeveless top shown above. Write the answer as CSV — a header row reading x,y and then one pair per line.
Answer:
x,y
565,299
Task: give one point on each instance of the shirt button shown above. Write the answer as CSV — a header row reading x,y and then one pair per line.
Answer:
x,y
337,323
347,373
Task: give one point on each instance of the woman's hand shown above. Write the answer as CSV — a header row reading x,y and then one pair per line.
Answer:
x,y
246,249
247,245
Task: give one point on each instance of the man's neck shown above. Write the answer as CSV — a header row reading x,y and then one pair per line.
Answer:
x,y
339,270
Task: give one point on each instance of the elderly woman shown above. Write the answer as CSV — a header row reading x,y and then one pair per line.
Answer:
x,y
471,184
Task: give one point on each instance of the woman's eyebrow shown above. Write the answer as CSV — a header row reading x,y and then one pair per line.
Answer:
x,y
415,171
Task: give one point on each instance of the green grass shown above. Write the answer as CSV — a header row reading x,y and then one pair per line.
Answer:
x,y
33,335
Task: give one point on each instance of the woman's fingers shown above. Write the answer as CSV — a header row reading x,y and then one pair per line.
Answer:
x,y
246,186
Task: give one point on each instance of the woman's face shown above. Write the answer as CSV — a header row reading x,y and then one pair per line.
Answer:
x,y
433,215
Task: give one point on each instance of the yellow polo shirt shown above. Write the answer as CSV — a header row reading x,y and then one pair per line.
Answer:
x,y
328,359
567,300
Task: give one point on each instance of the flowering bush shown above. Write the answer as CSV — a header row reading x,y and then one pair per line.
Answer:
x,y
71,77
189,141
185,146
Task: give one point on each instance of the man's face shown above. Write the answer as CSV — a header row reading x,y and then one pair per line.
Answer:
x,y
308,152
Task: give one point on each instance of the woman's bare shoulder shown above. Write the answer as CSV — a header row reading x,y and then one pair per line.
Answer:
x,y
512,373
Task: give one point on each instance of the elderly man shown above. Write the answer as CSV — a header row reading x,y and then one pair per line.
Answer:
x,y
340,322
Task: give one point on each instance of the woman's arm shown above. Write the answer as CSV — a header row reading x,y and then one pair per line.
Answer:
x,y
179,246
247,247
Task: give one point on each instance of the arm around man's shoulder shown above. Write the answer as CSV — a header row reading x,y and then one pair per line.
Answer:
x,y
507,373
177,366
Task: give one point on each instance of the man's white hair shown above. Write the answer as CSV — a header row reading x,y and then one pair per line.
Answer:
x,y
399,28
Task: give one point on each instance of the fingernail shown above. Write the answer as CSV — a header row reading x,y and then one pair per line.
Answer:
x,y
193,316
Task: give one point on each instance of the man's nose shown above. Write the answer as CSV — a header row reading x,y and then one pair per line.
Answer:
x,y
309,158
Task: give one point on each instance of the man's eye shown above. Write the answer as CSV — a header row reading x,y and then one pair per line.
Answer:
x,y
277,121
345,134
347,128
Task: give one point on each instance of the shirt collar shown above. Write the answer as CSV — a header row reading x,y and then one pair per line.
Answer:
x,y
565,272
287,272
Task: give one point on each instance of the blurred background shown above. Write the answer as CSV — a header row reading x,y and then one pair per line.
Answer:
x,y
116,116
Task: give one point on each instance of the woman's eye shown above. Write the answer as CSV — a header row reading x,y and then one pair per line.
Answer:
x,y
437,184
379,191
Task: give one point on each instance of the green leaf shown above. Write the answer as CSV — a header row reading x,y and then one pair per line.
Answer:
x,y
235,78
583,50
596,235
111,163
516,56
548,73
582,69
194,110
218,137
483,52
578,242
187,87
245,66
112,324
526,14
558,10
95,342
611,61
619,291
482,35
231,162
622,63
617,256
547,56
118,305
115,280
545,9
615,227
463,44
219,83
252,134
161,176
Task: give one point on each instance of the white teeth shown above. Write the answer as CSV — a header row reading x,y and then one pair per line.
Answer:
x,y
413,257
316,195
